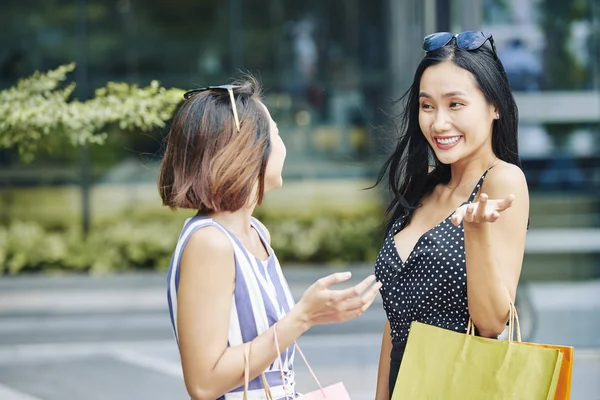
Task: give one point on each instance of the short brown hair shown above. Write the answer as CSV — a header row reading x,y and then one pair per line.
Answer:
x,y
208,165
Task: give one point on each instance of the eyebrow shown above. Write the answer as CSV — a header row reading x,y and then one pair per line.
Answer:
x,y
449,94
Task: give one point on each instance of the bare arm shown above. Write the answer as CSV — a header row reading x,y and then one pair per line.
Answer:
x,y
207,277
494,248
383,372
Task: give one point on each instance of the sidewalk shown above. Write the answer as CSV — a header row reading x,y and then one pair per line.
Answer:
x,y
124,292
147,291
65,325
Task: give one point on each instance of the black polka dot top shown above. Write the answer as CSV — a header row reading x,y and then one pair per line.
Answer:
x,y
430,286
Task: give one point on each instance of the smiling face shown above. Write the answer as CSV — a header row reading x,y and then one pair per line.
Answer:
x,y
454,115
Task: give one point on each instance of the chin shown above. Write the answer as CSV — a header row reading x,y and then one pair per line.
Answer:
x,y
273,184
447,158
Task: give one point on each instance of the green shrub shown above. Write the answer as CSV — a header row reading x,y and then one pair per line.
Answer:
x,y
145,240
38,112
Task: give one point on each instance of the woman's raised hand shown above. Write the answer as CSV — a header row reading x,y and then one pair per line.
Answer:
x,y
322,305
484,210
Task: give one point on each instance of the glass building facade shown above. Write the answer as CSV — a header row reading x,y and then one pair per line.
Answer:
x,y
331,71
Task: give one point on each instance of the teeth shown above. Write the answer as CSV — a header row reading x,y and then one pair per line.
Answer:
x,y
448,140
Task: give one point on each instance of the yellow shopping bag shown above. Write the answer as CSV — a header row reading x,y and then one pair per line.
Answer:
x,y
440,364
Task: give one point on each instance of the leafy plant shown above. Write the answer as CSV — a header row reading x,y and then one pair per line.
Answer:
x,y
146,240
39,111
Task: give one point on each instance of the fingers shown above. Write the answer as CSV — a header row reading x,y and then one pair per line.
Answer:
x,y
457,217
323,305
479,215
505,203
332,279
355,290
369,297
470,213
493,217
477,212
358,305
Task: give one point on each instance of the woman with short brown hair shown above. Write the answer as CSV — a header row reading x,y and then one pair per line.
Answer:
x,y
226,290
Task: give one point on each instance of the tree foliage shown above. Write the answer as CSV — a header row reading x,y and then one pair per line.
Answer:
x,y
40,111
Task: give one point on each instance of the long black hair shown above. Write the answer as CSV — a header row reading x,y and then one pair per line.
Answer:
x,y
409,172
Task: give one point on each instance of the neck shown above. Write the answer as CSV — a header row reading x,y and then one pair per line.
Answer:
x,y
237,222
468,171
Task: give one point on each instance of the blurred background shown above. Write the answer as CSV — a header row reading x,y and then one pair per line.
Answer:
x,y
85,242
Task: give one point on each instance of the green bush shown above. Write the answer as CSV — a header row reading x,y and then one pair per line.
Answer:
x,y
145,240
39,111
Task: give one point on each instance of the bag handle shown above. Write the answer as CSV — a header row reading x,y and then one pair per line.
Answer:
x,y
303,358
266,387
513,325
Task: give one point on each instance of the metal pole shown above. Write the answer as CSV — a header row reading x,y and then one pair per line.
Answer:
x,y
81,77
430,16
443,16
406,31
595,57
470,15
236,47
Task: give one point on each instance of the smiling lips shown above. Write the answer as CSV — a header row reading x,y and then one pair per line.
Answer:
x,y
446,143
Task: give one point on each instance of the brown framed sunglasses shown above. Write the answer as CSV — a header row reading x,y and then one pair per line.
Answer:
x,y
228,88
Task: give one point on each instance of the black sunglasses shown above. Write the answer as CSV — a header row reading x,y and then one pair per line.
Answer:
x,y
228,88
470,40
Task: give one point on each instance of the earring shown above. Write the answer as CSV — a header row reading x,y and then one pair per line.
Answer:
x,y
497,115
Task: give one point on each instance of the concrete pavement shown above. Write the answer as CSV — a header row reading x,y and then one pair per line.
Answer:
x,y
79,337
566,312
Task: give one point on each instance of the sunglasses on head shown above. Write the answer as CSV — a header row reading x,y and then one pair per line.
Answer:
x,y
228,88
470,40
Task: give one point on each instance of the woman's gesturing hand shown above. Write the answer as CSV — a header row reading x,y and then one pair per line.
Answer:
x,y
322,305
484,210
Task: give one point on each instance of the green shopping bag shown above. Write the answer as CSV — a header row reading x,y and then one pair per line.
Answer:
x,y
440,364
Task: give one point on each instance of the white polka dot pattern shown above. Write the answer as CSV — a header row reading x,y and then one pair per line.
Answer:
x,y
430,286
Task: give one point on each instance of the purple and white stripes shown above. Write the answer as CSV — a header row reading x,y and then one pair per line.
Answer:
x,y
261,297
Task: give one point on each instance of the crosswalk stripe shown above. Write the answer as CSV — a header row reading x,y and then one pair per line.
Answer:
x,y
7,393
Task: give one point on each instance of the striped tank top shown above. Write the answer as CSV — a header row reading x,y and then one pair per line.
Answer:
x,y
261,297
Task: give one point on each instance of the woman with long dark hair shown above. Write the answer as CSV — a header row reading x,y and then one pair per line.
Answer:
x,y
460,204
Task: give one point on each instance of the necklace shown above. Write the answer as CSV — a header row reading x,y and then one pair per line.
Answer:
x,y
459,185
471,180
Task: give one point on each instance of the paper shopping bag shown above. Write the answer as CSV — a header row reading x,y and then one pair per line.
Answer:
x,y
332,392
563,389
336,391
443,364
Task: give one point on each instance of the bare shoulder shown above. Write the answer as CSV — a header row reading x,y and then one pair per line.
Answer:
x,y
504,179
207,267
508,179
264,229
210,238
208,243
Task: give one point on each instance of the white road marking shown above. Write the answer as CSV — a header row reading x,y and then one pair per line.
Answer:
x,y
7,393
56,351
157,364
53,301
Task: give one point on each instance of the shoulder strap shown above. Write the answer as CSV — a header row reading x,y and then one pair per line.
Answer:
x,y
480,182
260,228
195,223
477,187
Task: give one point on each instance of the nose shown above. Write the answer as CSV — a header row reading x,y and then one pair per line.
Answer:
x,y
441,123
